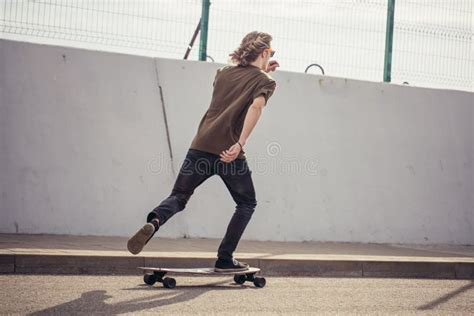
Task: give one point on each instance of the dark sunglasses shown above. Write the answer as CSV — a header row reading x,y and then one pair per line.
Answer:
x,y
272,52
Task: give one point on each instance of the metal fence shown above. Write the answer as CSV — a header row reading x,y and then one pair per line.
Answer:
x,y
432,40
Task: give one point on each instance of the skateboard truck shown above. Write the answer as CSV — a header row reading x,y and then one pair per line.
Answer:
x,y
157,276
257,281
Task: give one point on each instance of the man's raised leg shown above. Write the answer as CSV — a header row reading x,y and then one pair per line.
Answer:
x,y
196,168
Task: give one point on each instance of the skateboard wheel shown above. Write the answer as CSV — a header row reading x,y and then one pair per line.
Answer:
x,y
149,279
240,278
259,282
169,283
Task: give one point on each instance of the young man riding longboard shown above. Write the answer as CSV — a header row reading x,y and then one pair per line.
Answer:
x,y
241,91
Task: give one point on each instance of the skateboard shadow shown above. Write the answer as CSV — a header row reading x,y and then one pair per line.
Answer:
x,y
94,301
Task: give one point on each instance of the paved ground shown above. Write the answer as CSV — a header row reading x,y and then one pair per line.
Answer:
x,y
52,254
211,295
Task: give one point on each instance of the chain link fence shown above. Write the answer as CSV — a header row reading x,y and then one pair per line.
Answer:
x,y
432,44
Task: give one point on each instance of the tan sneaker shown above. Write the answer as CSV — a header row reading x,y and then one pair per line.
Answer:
x,y
136,243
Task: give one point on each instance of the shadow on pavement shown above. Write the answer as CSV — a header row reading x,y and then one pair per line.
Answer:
x,y
94,301
447,297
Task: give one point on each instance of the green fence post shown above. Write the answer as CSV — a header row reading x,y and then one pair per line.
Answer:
x,y
387,68
204,26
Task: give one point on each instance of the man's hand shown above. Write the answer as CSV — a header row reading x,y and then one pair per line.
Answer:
x,y
231,153
272,65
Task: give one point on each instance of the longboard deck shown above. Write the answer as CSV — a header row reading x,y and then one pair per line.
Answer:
x,y
250,270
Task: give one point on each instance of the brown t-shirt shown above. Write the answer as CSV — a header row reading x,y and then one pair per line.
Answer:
x,y
235,88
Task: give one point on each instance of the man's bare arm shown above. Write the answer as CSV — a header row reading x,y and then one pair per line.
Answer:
x,y
251,119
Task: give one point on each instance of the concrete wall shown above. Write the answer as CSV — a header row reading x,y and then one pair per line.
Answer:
x,y
84,149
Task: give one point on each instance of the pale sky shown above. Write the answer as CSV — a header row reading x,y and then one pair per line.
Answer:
x,y
432,39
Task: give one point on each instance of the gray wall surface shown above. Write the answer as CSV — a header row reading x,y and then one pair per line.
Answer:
x,y
90,142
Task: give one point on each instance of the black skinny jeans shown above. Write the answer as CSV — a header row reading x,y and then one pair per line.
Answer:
x,y
197,167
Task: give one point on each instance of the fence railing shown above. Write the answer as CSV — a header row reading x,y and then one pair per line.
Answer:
x,y
432,40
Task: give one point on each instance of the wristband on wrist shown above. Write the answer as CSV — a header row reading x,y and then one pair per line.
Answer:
x,y
241,147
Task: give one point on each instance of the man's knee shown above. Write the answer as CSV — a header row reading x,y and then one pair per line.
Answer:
x,y
247,208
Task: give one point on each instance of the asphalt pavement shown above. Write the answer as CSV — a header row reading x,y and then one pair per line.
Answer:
x,y
91,295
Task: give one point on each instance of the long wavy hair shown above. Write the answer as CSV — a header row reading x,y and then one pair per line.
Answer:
x,y
250,48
